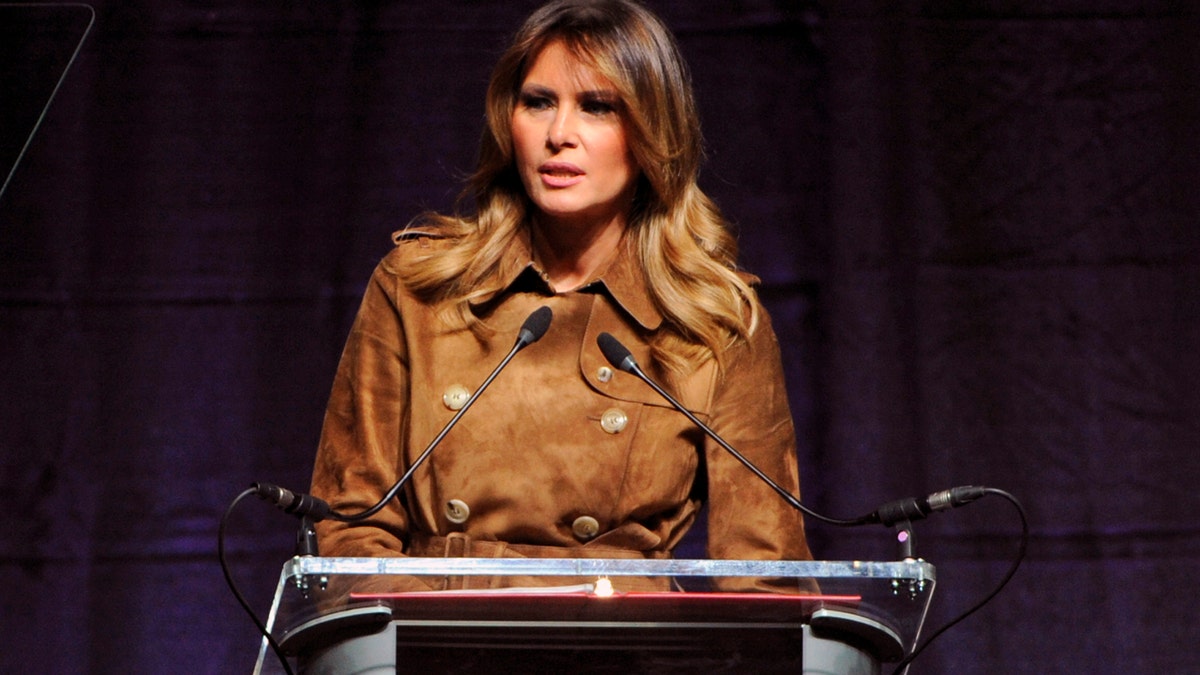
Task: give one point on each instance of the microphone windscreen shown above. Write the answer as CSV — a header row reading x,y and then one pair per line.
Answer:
x,y
616,353
536,324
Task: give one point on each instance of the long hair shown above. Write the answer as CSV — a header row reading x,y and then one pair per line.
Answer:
x,y
677,233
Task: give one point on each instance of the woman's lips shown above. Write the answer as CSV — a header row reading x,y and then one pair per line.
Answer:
x,y
560,174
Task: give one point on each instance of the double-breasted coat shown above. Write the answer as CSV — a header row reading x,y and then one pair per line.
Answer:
x,y
562,456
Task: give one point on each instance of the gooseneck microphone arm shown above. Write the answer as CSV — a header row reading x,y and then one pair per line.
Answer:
x,y
621,359
311,509
316,509
900,510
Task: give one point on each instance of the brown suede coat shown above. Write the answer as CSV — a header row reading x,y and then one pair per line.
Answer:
x,y
532,459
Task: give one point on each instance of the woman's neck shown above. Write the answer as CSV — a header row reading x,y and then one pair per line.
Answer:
x,y
572,255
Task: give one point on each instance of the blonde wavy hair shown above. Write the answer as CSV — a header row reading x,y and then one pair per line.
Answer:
x,y
677,233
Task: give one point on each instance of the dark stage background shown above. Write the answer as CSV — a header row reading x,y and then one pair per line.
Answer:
x,y
976,223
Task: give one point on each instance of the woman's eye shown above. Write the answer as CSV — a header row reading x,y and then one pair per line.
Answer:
x,y
599,107
534,102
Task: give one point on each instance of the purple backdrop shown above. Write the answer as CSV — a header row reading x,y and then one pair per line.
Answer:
x,y
976,224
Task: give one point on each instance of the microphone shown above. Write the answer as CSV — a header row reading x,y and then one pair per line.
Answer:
x,y
910,508
534,328
317,509
916,508
621,359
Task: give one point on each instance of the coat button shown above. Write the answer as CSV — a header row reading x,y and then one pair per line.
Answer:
x,y
613,420
585,527
456,396
604,374
457,511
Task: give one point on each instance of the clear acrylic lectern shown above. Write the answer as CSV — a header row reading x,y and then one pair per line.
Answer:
x,y
572,620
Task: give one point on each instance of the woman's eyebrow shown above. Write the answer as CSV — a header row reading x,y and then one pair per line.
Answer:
x,y
607,94
535,89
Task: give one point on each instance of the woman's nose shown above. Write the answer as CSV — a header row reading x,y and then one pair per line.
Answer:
x,y
563,131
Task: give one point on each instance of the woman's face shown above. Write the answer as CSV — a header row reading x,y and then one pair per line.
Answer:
x,y
569,142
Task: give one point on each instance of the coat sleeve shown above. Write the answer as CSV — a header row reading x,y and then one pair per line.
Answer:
x,y
747,520
359,453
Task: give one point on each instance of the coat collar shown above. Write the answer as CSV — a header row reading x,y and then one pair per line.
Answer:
x,y
624,280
